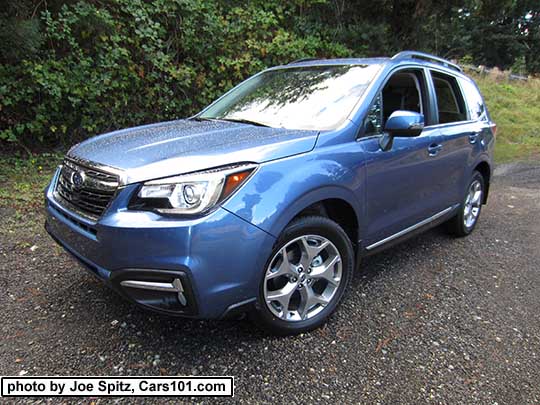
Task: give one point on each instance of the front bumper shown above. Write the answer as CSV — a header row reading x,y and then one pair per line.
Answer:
x,y
218,259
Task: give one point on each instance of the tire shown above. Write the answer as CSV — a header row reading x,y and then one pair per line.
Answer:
x,y
309,285
471,206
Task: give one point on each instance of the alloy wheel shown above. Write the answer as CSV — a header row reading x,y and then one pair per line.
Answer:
x,y
302,278
473,202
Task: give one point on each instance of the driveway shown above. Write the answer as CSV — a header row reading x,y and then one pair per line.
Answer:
x,y
436,320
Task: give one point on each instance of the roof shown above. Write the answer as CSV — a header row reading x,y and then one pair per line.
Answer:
x,y
408,56
339,61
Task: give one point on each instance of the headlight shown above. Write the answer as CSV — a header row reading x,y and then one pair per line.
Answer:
x,y
193,193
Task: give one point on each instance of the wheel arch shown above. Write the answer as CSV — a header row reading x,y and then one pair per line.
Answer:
x,y
484,169
335,203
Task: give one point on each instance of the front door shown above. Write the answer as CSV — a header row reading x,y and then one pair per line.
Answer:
x,y
399,182
399,185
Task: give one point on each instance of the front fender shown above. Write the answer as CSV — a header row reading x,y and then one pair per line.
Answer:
x,y
281,189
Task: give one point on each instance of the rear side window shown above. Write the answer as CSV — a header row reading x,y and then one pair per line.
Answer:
x,y
475,103
449,99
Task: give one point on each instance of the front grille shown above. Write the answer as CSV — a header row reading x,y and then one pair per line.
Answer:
x,y
85,190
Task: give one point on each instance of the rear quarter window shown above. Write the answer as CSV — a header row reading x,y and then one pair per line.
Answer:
x,y
474,100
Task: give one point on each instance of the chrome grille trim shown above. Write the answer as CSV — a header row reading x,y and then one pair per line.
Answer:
x,y
87,164
92,197
96,180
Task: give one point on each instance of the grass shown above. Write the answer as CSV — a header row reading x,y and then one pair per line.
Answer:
x,y
515,108
22,181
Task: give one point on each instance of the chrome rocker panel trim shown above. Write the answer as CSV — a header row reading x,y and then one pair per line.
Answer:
x,y
410,228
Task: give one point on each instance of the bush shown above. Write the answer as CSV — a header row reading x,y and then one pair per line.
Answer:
x,y
70,69
128,62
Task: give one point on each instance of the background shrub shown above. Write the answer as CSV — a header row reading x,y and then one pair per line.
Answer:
x,y
72,69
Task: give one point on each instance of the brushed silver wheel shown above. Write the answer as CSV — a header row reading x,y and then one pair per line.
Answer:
x,y
473,203
302,278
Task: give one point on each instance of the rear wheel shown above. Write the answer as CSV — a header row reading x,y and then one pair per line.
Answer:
x,y
305,277
465,220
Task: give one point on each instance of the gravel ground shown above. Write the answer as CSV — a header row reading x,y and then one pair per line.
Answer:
x,y
435,319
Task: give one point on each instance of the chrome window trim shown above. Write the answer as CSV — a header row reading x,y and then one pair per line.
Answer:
x,y
449,124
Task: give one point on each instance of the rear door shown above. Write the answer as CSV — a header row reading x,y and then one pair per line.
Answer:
x,y
478,113
458,139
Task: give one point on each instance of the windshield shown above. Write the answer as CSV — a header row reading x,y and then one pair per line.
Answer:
x,y
312,97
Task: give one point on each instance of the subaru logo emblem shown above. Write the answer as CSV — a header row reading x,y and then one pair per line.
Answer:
x,y
77,179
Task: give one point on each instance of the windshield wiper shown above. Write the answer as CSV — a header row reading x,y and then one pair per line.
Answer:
x,y
202,119
244,121
240,120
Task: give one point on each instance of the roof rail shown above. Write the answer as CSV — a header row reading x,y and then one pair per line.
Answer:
x,y
302,60
425,56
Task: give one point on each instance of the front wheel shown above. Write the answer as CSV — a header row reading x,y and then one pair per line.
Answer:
x,y
469,213
305,277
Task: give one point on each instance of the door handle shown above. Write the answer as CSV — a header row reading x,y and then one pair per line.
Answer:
x,y
473,137
434,149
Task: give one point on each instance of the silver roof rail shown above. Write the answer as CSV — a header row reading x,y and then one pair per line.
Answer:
x,y
427,57
302,60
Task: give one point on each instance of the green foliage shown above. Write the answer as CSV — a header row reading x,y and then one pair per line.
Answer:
x,y
72,69
20,39
126,62
515,107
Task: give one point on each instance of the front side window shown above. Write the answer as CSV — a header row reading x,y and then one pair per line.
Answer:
x,y
403,91
374,119
475,103
449,99
311,97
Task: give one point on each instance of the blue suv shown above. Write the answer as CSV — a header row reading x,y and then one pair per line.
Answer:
x,y
265,202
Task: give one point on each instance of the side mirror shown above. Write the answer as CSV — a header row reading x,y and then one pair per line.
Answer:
x,y
404,123
401,123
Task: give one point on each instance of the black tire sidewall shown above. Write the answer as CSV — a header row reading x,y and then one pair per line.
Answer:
x,y
320,226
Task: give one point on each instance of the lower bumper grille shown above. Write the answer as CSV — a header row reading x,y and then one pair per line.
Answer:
x,y
164,291
85,190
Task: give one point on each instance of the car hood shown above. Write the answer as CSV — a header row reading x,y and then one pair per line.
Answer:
x,y
184,146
